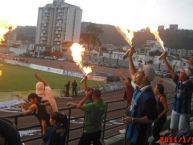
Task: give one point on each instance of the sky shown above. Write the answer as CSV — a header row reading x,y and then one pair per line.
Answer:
x,y
133,14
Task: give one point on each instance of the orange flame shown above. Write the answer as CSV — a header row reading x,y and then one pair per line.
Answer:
x,y
1,72
157,37
128,36
4,29
77,53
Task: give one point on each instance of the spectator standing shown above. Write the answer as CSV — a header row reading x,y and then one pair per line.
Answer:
x,y
74,88
143,105
38,110
94,115
162,108
56,134
127,93
182,100
67,86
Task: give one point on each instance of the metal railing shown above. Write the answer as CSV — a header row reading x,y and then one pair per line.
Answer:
x,y
68,112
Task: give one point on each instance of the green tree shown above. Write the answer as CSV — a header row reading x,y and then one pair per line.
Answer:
x,y
91,36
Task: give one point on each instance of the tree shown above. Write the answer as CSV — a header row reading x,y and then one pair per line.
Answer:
x,y
91,36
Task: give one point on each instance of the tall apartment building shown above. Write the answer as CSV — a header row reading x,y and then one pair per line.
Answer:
x,y
57,23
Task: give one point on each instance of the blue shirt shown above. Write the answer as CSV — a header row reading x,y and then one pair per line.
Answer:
x,y
183,96
143,104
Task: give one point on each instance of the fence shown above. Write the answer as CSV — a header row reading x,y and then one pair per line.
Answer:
x,y
115,111
111,108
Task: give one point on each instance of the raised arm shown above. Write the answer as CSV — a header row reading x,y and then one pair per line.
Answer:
x,y
169,67
85,83
81,102
124,77
132,69
37,76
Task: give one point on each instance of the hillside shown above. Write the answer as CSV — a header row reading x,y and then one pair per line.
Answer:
x,y
172,39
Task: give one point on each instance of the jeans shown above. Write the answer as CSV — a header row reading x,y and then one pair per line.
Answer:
x,y
179,121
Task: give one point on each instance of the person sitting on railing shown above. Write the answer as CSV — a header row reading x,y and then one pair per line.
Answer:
x,y
162,108
143,105
182,100
56,134
44,91
38,110
94,115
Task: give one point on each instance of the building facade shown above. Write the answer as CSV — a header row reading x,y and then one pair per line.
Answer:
x,y
173,27
58,23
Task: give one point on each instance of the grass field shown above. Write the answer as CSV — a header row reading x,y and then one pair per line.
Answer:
x,y
21,79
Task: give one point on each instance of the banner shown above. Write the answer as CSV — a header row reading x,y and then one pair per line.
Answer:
x,y
56,70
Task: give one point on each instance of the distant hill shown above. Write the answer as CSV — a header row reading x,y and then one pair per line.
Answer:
x,y
172,39
109,36
26,33
179,39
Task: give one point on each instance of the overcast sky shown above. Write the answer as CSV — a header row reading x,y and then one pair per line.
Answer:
x,y
134,14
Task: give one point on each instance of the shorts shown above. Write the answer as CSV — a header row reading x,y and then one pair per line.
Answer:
x,y
179,121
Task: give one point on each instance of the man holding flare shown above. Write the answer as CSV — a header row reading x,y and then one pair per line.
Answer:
x,y
143,105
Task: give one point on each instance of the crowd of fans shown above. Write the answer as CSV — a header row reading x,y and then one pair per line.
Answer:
x,y
146,108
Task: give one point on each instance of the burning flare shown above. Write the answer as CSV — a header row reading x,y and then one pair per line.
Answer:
x,y
128,36
4,29
157,37
77,52
1,72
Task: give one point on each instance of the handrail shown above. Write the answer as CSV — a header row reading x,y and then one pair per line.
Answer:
x,y
70,118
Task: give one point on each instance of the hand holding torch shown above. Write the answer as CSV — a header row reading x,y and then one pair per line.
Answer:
x,y
83,79
127,52
163,55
